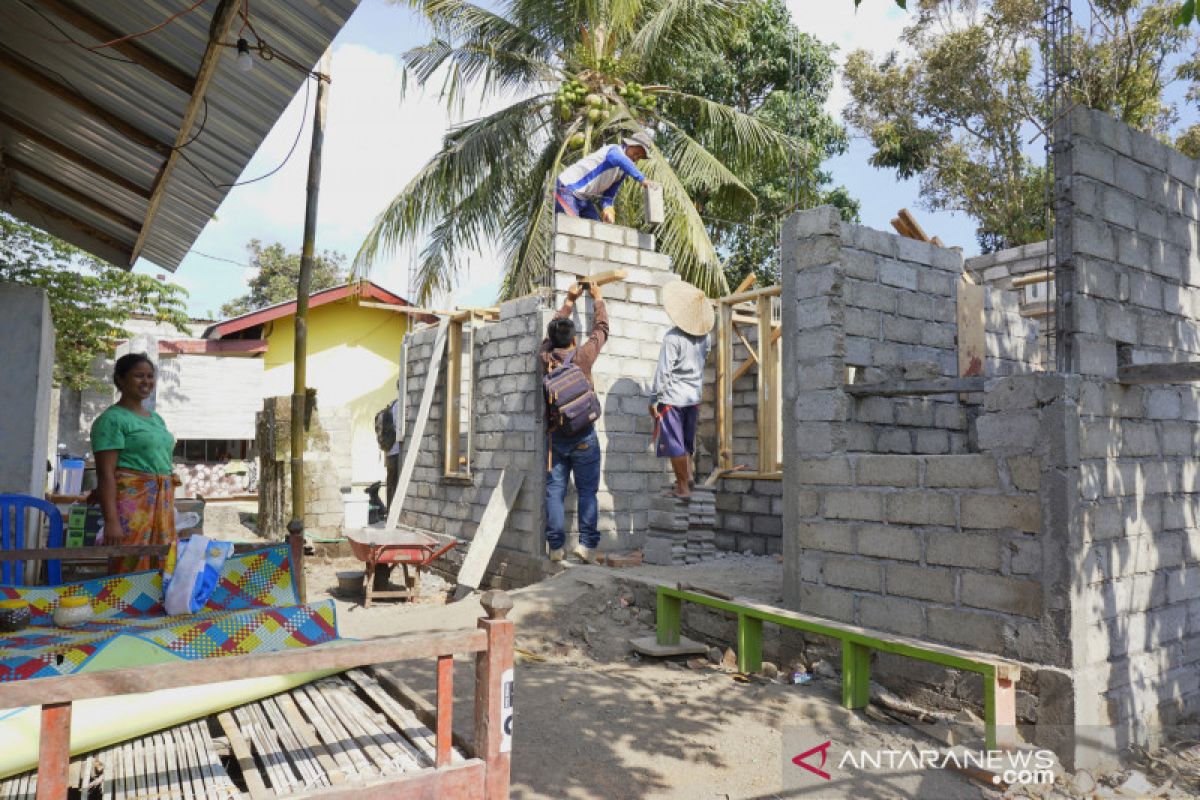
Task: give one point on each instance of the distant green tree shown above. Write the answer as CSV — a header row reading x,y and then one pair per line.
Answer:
x,y
90,300
959,113
773,72
278,272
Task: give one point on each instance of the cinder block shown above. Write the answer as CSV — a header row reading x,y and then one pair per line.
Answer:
x,y
1023,512
1000,593
981,631
893,273
968,471
1010,430
574,226
921,508
885,470
889,614
822,471
826,601
854,505
923,583
1025,472
852,573
827,537
978,551
889,541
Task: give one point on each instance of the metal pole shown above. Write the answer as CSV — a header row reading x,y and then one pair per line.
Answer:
x,y
300,376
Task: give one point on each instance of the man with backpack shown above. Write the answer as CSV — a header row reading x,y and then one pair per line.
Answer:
x,y
387,425
571,410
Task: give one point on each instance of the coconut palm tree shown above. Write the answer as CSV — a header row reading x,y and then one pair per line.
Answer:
x,y
586,73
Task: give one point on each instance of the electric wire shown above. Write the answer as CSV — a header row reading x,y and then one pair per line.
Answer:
x,y
159,26
68,38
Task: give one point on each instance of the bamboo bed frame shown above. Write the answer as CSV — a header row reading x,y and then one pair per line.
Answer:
x,y
483,776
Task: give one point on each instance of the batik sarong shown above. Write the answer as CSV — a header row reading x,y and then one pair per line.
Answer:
x,y
146,508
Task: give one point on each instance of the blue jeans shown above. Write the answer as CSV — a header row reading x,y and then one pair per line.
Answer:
x,y
579,454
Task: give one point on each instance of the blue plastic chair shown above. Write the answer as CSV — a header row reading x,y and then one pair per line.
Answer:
x,y
13,511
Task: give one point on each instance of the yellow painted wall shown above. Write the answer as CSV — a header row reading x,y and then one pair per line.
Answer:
x,y
353,363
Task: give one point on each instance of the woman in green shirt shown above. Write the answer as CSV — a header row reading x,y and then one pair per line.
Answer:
x,y
133,466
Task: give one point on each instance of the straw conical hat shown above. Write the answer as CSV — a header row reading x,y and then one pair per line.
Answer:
x,y
688,308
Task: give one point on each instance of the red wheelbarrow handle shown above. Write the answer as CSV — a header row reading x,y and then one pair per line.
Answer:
x,y
434,556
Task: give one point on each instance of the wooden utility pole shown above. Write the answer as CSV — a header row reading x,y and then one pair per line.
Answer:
x,y
300,357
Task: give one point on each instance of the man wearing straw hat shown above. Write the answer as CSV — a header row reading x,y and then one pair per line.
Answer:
x,y
679,379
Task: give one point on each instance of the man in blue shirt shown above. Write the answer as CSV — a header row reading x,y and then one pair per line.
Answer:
x,y
588,188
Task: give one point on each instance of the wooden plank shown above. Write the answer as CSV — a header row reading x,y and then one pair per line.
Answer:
x,y
1031,278
54,751
725,380
745,367
108,786
405,721
487,533
354,727
133,680
191,774
304,760
305,731
245,759
1174,372
413,443
104,552
361,766
972,343
746,283
494,696
222,22
751,353
768,391
170,758
754,294
265,742
403,756
329,735
457,781
604,278
903,388
911,222
410,699
452,400
445,708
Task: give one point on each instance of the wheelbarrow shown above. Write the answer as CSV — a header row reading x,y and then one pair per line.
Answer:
x,y
388,548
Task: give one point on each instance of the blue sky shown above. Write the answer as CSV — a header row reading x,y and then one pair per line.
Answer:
x,y
376,141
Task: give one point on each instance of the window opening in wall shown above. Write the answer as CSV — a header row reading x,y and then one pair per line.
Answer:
x,y
757,310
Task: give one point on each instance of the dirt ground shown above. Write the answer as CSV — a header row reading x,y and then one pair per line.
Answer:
x,y
594,720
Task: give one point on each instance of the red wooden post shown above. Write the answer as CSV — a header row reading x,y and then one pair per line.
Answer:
x,y
445,708
54,752
494,694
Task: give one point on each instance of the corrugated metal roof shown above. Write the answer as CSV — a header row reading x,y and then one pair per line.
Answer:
x,y
74,203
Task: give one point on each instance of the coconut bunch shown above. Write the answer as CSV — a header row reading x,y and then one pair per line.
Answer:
x,y
590,105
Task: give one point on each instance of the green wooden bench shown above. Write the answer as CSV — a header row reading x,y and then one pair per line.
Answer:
x,y
999,676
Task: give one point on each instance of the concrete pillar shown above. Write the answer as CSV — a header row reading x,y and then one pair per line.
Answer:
x,y
27,363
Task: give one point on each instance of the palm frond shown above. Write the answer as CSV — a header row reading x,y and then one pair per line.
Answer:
x,y
701,171
739,138
674,28
458,194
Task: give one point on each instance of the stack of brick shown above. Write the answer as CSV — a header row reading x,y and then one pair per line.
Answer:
x,y
681,531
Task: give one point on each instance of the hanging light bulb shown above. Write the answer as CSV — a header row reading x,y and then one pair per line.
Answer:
x,y
245,60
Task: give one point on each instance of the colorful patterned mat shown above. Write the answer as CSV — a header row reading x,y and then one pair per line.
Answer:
x,y
253,610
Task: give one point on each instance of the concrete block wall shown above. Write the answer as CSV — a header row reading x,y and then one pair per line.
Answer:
x,y
508,412
1131,236
507,430
1019,332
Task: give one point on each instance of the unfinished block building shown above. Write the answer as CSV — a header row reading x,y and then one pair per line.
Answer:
x,y
1039,503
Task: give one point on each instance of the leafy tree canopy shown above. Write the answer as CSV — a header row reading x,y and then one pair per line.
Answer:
x,y
589,73
278,272
90,300
772,71
961,111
